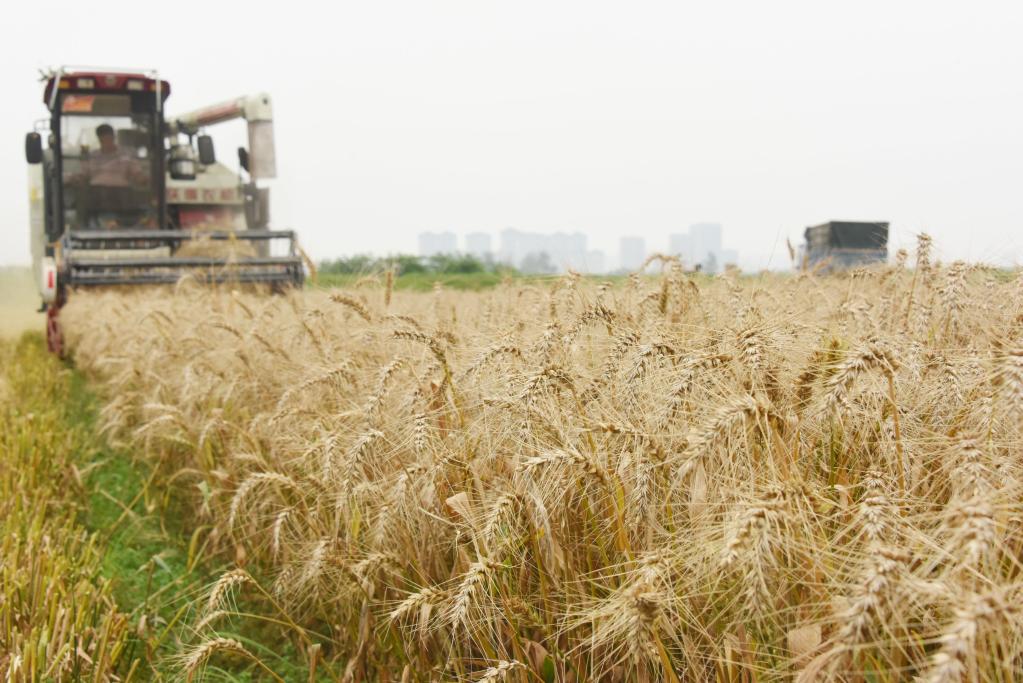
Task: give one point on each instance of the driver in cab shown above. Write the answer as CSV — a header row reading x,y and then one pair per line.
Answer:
x,y
109,166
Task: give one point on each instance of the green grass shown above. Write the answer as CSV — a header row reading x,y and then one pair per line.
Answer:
x,y
154,559
141,555
421,282
54,599
144,551
424,282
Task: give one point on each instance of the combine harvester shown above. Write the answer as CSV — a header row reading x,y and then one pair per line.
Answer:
x,y
123,195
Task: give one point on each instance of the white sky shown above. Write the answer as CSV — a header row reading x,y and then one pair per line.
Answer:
x,y
610,118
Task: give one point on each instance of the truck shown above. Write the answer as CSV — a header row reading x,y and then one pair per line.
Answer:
x,y
839,245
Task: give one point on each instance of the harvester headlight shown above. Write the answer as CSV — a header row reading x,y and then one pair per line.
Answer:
x,y
133,84
86,83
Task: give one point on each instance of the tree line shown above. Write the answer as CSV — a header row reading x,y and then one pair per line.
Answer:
x,y
406,264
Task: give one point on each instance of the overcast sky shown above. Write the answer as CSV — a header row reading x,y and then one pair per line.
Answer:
x,y
627,118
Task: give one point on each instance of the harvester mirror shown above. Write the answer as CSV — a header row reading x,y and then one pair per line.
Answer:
x,y
243,158
207,155
33,148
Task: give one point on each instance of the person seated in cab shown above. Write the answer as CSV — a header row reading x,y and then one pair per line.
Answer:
x,y
110,166
113,184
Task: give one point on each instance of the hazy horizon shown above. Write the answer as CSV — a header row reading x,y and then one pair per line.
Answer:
x,y
610,119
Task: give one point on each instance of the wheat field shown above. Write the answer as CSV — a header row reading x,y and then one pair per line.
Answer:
x,y
58,617
812,477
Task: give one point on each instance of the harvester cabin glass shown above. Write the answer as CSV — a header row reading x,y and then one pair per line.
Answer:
x,y
109,163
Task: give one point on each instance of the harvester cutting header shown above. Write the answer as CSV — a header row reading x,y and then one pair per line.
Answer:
x,y
123,195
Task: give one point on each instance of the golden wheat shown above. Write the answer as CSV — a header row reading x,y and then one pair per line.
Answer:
x,y
739,478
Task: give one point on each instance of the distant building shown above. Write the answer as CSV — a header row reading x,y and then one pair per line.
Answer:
x,y
515,245
478,244
567,250
681,245
537,263
433,243
705,240
631,252
563,250
702,246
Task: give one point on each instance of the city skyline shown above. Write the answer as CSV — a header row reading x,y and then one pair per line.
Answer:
x,y
559,251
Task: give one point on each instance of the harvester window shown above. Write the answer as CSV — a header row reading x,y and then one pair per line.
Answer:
x,y
107,163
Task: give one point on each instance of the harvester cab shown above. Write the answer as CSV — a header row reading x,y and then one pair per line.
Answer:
x,y
121,194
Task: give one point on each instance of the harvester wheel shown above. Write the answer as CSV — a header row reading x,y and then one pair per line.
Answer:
x,y
54,334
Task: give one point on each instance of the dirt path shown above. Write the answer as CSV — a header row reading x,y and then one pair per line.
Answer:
x,y
19,302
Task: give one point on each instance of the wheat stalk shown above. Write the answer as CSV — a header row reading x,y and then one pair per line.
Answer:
x,y
223,586
500,671
353,304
